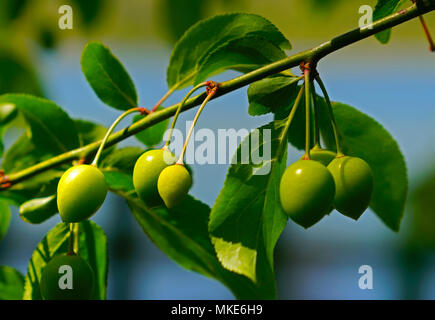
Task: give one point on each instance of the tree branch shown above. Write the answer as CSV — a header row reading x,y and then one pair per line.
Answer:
x,y
312,55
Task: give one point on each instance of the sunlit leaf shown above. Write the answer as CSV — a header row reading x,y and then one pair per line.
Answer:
x,y
11,284
207,35
108,77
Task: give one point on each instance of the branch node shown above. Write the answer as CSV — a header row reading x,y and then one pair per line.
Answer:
x,y
4,180
212,87
143,111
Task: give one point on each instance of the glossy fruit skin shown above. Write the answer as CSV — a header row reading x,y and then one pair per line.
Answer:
x,y
322,155
174,184
80,193
353,185
306,192
146,174
82,279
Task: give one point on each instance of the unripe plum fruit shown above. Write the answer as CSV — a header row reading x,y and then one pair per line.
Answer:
x,y
67,277
306,192
174,184
80,193
353,185
146,174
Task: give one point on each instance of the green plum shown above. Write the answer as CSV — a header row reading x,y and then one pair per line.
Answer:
x,y
67,277
174,184
80,193
146,174
306,192
353,185
321,155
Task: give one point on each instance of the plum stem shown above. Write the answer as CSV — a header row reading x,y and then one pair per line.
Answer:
x,y
210,94
307,76
110,130
180,106
331,114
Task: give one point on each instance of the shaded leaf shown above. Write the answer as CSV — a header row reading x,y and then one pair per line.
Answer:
x,y
362,136
21,155
51,128
385,8
117,180
277,95
207,35
182,234
122,159
92,248
11,284
244,55
423,213
153,135
108,77
5,219
89,132
16,76
38,210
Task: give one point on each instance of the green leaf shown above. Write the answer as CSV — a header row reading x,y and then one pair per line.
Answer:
x,y
108,77
51,128
362,136
23,154
247,219
272,95
118,168
277,95
242,55
92,248
152,136
422,213
182,234
38,210
122,159
11,284
207,35
5,219
8,113
16,76
384,8
89,132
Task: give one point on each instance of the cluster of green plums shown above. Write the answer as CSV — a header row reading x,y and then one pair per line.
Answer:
x,y
312,188
157,179
81,191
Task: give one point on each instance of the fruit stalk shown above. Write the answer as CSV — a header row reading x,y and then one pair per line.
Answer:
x,y
181,105
166,96
210,94
316,116
291,116
331,115
307,76
71,240
110,130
